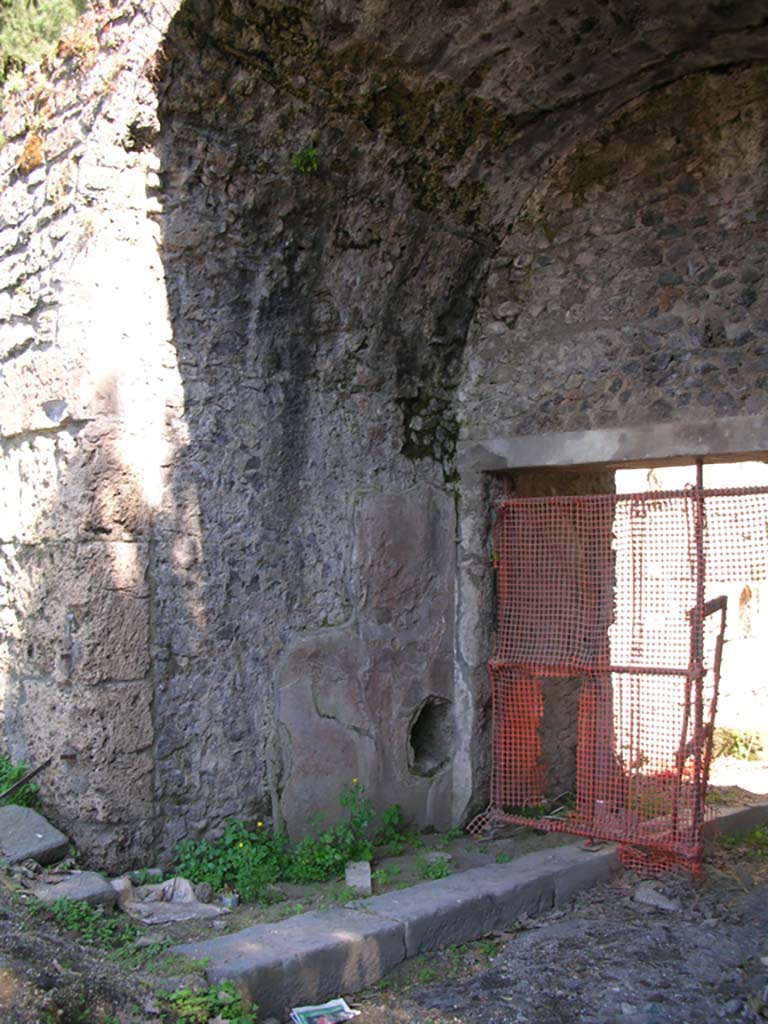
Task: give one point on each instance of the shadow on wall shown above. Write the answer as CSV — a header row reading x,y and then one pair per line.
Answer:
x,y
296,532
319,317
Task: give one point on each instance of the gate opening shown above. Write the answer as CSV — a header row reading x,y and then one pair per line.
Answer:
x,y
611,618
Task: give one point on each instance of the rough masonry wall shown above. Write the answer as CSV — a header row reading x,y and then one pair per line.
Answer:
x,y
233,382
628,290
89,406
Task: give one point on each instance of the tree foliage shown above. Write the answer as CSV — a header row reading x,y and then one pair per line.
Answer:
x,y
29,29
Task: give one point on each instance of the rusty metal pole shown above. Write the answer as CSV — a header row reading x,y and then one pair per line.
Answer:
x,y
697,665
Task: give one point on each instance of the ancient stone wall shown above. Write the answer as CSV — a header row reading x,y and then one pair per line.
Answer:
x,y
264,266
628,289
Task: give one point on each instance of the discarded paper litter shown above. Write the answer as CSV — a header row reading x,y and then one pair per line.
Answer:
x,y
333,1012
173,900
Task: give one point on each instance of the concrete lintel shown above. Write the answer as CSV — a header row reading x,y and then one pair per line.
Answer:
x,y
735,438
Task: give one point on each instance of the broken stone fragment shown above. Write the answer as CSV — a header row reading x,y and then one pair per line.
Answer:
x,y
26,834
172,900
648,894
84,886
434,856
203,892
357,876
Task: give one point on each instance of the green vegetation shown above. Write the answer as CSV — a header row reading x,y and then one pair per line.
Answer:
x,y
739,743
385,875
93,925
10,773
29,30
245,859
305,161
430,870
323,856
533,811
488,948
249,859
217,1002
753,845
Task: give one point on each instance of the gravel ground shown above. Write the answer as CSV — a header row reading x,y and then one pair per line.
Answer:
x,y
604,959
607,959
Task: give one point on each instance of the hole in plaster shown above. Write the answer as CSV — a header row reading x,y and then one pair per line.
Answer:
x,y
430,737
55,410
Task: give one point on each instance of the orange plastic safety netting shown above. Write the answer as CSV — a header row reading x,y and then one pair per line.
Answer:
x,y
611,612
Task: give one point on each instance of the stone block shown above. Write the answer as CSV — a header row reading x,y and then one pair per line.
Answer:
x,y
576,868
66,486
467,906
84,610
102,740
441,913
732,820
83,886
308,958
357,876
35,381
24,833
324,725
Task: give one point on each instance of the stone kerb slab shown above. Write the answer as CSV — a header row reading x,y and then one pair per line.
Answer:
x,y
732,820
482,900
317,955
304,959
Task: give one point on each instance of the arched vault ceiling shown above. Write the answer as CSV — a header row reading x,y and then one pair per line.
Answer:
x,y
492,89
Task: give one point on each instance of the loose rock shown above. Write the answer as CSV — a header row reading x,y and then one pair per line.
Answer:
x,y
24,833
647,894
84,886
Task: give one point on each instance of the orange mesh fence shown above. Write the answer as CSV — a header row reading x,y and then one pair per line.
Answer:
x,y
606,661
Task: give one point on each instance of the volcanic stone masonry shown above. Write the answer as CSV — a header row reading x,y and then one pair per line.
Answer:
x,y
273,275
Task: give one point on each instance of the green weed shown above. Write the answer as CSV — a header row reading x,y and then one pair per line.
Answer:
x,y
305,161
738,743
488,948
431,870
29,31
247,859
450,835
456,956
752,845
93,925
427,974
219,1002
384,875
392,831
27,796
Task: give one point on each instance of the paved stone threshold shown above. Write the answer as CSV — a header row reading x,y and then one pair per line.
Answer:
x,y
322,954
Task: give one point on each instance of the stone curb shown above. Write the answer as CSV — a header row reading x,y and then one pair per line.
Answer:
x,y
303,959
316,956
737,819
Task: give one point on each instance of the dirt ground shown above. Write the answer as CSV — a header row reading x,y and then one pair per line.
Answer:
x,y
605,958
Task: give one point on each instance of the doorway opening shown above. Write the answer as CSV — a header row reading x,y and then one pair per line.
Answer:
x,y
612,611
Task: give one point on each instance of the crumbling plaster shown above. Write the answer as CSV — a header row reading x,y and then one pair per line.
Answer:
x,y
239,549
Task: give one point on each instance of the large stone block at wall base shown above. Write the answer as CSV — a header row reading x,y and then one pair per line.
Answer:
x,y
373,700
99,787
